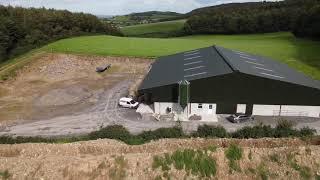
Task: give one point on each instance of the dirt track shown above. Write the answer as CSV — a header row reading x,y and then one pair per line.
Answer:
x,y
96,159
60,94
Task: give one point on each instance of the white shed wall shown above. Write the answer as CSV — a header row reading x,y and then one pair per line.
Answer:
x,y
205,112
286,110
208,114
241,108
309,111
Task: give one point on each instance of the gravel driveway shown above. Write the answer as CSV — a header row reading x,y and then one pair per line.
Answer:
x,y
106,112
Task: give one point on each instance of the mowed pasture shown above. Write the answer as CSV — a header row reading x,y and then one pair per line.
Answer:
x,y
160,29
301,54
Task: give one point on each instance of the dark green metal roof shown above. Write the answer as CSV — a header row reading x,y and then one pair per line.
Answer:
x,y
190,65
216,61
265,67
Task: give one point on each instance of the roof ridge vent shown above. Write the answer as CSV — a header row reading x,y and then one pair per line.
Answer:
x,y
226,60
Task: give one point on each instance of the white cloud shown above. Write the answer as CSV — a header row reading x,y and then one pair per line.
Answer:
x,y
112,7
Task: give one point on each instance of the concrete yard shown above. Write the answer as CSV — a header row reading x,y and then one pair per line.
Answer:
x,y
62,94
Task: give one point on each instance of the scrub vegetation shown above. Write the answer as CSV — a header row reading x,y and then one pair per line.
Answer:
x,y
164,159
275,158
304,171
195,162
118,172
119,132
234,154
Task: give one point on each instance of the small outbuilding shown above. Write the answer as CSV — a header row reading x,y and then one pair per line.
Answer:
x,y
215,80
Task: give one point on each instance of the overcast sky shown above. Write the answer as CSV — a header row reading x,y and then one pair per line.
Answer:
x,y
119,7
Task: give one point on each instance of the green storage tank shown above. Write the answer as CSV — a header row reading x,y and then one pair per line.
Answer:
x,y
184,93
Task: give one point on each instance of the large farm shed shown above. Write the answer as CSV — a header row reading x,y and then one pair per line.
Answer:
x,y
216,80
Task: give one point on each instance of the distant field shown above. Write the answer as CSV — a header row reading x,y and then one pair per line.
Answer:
x,y
301,54
161,29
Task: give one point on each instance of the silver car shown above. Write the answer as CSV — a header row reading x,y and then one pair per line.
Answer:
x,y
240,117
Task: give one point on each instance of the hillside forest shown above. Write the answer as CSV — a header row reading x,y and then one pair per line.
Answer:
x,y
23,29
302,17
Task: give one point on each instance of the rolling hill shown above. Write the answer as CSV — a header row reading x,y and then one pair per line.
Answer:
x,y
300,54
144,18
160,29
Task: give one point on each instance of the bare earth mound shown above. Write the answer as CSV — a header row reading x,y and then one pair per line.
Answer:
x,y
109,159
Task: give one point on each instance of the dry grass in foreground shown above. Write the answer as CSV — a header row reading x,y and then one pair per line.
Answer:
x,y
216,158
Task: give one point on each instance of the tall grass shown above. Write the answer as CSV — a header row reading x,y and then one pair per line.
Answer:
x,y
234,154
197,162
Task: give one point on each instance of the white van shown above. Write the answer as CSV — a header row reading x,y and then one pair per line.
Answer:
x,y
128,103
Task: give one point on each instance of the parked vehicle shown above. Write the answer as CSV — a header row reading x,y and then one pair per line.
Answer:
x,y
128,103
240,117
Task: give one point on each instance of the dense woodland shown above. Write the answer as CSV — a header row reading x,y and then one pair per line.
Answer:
x,y
302,17
23,29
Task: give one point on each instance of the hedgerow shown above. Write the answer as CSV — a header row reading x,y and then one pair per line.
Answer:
x,y
118,132
211,131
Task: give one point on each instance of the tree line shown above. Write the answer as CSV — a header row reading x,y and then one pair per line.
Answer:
x,y
22,29
302,17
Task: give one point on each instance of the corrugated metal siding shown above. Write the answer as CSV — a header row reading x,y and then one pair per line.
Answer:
x,y
239,88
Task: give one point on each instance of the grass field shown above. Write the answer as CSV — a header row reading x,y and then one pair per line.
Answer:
x,y
303,55
161,29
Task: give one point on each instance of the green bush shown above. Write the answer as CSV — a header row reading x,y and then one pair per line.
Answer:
x,y
234,154
275,158
161,162
119,132
284,128
258,131
307,132
174,132
112,132
284,124
20,139
211,131
263,171
196,162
